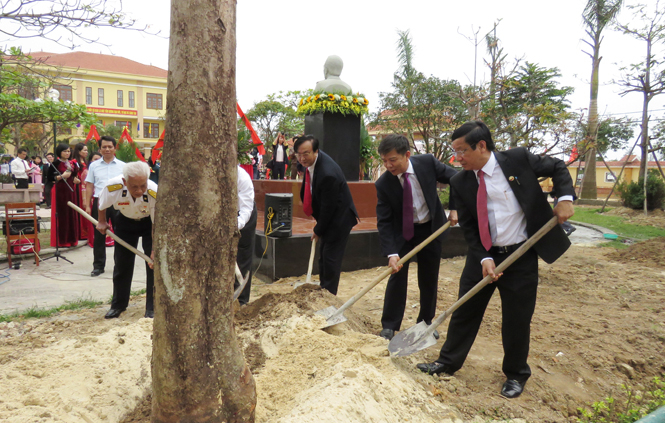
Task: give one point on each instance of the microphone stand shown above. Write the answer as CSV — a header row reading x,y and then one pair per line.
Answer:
x,y
54,225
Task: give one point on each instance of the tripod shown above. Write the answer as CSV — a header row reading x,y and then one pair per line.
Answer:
x,y
57,256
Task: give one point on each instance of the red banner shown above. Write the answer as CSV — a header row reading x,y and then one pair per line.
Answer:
x,y
92,134
125,136
156,153
255,137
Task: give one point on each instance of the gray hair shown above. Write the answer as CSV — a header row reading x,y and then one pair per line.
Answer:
x,y
136,170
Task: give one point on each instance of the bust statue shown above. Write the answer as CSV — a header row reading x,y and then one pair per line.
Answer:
x,y
332,69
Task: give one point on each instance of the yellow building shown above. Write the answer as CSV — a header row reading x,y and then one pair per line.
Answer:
x,y
118,90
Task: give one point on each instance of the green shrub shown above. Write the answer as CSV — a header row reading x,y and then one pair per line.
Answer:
x,y
632,193
444,197
637,405
126,152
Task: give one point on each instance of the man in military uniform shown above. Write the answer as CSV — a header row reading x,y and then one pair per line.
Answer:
x,y
134,196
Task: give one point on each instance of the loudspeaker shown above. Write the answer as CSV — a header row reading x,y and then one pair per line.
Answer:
x,y
278,219
24,226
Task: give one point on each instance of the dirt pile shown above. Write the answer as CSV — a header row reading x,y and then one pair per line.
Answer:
x,y
655,218
648,253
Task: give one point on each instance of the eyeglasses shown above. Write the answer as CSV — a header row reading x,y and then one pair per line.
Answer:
x,y
305,154
459,153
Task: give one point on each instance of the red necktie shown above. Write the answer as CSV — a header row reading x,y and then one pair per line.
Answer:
x,y
407,209
307,200
483,219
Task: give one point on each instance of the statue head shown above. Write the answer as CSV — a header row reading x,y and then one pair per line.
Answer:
x,y
333,66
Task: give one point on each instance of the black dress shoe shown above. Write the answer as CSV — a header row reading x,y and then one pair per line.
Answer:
x,y
434,368
512,389
149,314
387,333
113,313
96,272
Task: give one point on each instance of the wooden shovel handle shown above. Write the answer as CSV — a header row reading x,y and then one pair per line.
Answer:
x,y
109,233
311,262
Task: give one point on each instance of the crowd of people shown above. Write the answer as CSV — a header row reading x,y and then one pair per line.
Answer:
x,y
283,163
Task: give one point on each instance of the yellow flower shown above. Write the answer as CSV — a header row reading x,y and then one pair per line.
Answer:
x,y
343,97
331,97
309,99
317,97
366,102
355,100
301,101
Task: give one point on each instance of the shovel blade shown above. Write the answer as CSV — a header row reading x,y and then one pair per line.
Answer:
x,y
331,318
412,340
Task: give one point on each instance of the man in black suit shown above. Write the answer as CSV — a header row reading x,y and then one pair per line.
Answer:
x,y
326,196
409,180
506,184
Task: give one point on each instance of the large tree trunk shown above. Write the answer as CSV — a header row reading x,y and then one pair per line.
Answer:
x,y
589,189
198,370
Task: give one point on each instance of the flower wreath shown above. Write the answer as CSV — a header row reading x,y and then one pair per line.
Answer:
x,y
333,103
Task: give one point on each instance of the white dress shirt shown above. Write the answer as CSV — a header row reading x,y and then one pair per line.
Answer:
x,y
20,168
420,209
100,173
310,169
245,197
279,153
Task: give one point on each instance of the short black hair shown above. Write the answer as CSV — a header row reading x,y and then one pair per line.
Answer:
x,y
396,142
48,154
107,138
21,150
305,138
473,132
60,148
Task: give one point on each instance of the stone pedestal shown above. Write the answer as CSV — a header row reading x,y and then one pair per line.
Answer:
x,y
339,137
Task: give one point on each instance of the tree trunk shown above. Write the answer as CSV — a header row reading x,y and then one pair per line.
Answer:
x,y
198,369
589,186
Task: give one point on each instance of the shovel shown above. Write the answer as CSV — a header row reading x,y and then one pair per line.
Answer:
x,y
334,316
242,281
421,336
309,268
109,233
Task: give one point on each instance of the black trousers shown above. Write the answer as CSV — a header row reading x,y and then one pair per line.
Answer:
x,y
99,245
278,170
518,289
246,255
130,230
48,186
21,183
331,253
429,259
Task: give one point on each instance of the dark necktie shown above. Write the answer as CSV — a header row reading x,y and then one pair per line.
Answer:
x,y
483,219
307,200
407,209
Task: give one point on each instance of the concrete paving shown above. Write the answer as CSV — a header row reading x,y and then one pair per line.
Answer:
x,y
54,282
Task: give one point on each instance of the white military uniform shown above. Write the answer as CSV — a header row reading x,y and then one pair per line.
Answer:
x,y
133,222
117,195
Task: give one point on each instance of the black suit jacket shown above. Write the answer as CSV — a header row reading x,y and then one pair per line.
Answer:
x,y
524,169
332,203
389,194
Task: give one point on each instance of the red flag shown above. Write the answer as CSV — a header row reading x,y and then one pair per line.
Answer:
x,y
255,137
92,134
125,136
156,153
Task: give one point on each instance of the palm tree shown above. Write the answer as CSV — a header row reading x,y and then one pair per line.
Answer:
x,y
597,15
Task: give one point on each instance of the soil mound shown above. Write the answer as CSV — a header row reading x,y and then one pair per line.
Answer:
x,y
649,253
655,218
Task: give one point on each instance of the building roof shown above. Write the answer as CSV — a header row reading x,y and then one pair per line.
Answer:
x,y
99,62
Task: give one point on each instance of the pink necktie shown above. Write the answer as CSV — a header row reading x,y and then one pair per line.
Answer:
x,y
307,200
483,219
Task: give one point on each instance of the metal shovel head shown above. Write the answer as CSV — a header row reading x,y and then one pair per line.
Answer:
x,y
301,283
331,320
412,340
238,291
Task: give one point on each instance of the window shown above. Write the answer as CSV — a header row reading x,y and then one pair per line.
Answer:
x,y
88,95
100,96
65,92
150,130
131,99
120,95
154,101
63,131
609,177
122,123
28,91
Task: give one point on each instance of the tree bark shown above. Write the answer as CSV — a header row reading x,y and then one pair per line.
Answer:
x,y
589,185
198,369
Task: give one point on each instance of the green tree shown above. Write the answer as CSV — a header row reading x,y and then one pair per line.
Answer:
x,y
277,113
24,98
597,15
530,109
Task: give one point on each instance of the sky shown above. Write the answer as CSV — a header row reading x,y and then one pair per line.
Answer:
x,y
282,45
